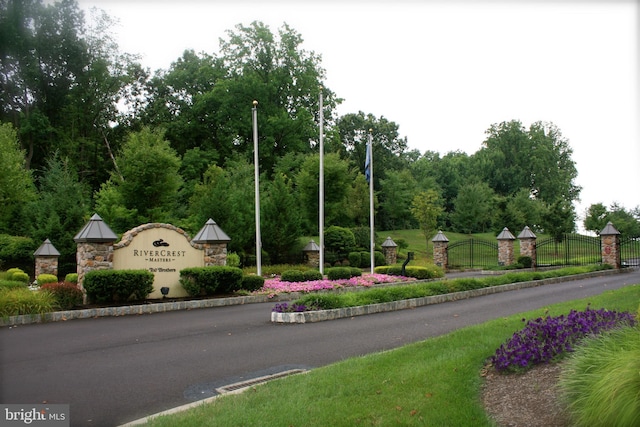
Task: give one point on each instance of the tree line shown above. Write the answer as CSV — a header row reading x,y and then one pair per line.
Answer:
x,y
86,128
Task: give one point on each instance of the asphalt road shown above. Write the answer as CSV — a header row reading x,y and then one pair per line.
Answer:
x,y
115,370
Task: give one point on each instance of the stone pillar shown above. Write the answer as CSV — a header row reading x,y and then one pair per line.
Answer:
x,y
528,244
214,243
46,257
610,246
312,254
440,248
390,251
505,247
94,249
215,254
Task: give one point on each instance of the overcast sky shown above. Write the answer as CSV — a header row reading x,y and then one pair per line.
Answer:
x,y
444,71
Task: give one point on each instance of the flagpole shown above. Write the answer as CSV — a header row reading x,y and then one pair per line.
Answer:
x,y
254,111
370,148
321,201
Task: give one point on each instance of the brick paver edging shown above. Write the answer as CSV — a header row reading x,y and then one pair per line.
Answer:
x,y
337,313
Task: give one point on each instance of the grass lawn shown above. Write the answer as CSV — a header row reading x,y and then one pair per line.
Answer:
x,y
435,382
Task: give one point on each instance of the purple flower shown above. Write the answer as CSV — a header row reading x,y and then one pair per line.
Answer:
x,y
542,340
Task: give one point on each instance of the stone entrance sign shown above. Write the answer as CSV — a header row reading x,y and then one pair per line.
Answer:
x,y
163,250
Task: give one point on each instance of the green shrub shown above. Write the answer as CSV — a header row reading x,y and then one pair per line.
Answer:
x,y
311,275
20,276
339,240
417,272
252,282
525,261
601,380
379,259
355,272
106,286
199,281
383,269
322,301
12,284
21,301
71,277
292,276
355,259
66,294
233,259
365,259
14,270
46,278
339,273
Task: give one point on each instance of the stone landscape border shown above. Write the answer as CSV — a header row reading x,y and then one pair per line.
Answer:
x,y
304,317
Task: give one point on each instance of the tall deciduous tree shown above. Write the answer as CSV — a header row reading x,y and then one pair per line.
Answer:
x,y
148,180
426,208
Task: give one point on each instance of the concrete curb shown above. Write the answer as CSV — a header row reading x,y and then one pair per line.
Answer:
x,y
160,307
338,313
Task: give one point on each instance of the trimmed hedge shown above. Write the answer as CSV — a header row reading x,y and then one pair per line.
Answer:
x,y
311,275
362,259
20,276
201,281
292,276
417,272
107,286
46,278
252,283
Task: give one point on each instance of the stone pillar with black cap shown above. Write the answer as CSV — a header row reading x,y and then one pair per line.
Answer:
x,y
390,251
440,248
214,243
505,247
527,240
610,246
94,248
312,254
46,257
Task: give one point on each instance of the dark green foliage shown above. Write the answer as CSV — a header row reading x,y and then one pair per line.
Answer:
x,y
379,259
107,286
199,281
252,283
355,272
339,273
525,261
311,275
66,294
292,276
17,251
355,259
339,240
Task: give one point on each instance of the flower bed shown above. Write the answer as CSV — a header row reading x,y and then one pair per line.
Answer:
x,y
543,340
276,286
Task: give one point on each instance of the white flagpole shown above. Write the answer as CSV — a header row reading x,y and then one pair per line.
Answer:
x,y
321,201
370,148
254,111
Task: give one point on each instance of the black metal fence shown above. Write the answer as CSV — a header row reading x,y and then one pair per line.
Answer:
x,y
572,249
472,253
630,252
